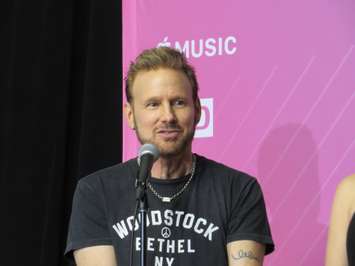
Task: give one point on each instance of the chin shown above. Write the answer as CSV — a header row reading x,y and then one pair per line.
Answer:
x,y
172,150
169,152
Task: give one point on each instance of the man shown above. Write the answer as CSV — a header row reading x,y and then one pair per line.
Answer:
x,y
200,212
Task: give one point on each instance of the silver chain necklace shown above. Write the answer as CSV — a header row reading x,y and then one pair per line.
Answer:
x,y
177,194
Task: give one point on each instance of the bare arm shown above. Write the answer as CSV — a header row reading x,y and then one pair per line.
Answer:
x,y
245,253
341,213
95,256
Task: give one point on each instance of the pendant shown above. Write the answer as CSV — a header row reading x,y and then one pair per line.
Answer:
x,y
166,199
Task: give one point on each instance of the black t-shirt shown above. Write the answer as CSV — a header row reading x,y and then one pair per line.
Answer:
x,y
219,206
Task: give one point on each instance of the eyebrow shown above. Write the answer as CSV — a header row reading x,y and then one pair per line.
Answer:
x,y
154,98
157,98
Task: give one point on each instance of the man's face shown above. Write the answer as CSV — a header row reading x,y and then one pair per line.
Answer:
x,y
162,110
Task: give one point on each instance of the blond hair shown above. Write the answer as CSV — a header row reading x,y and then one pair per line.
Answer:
x,y
162,57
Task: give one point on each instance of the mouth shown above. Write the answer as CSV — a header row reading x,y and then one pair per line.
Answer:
x,y
169,133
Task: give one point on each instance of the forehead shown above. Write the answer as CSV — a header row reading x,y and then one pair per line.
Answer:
x,y
162,81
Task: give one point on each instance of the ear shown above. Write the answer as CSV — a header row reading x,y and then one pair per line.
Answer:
x,y
197,111
128,108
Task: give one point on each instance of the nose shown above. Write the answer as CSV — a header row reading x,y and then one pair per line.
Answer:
x,y
168,114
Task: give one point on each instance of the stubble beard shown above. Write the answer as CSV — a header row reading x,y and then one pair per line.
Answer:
x,y
175,147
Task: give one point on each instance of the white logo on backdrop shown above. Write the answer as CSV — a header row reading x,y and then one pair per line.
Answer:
x,y
204,128
204,47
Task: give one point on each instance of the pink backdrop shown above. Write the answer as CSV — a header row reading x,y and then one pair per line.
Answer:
x,y
278,86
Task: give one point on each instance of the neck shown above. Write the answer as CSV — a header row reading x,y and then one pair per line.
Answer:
x,y
172,167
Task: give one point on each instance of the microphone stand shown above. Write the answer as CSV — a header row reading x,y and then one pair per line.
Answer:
x,y
141,196
148,153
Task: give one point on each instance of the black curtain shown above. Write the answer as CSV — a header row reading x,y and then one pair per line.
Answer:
x,y
60,118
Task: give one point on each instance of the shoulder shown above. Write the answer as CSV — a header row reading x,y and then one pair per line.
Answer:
x,y
220,171
209,164
110,174
346,187
345,195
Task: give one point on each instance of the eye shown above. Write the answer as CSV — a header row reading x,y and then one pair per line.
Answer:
x,y
152,104
179,102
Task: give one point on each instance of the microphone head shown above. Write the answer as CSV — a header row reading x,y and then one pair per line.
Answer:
x,y
148,149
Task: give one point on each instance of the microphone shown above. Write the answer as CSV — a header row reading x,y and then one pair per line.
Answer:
x,y
147,155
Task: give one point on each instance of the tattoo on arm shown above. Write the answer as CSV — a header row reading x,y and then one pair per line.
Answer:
x,y
242,254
